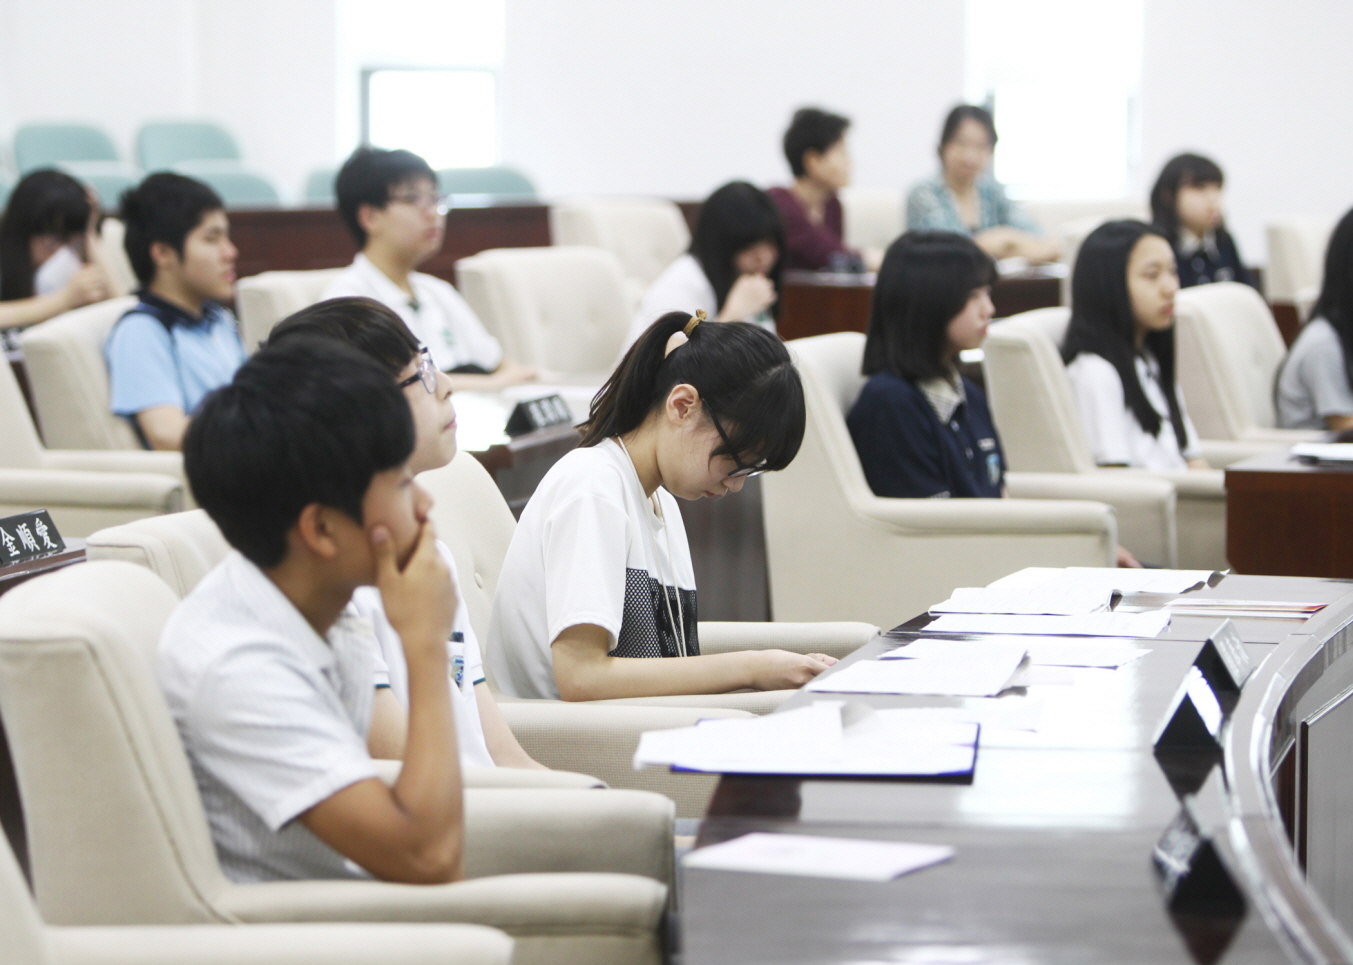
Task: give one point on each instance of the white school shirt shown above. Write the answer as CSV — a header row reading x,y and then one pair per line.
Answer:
x,y
441,320
682,287
1114,435
590,549
56,272
273,717
1313,382
392,669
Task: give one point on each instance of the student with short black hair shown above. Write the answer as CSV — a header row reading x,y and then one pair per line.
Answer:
x,y
390,204
302,462
1315,383
1119,350
815,147
732,269
179,342
963,197
1186,205
598,575
483,734
49,250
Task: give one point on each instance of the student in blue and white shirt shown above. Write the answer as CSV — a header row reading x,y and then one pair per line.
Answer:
x,y
178,343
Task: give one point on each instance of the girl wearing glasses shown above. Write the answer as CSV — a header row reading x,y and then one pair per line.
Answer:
x,y
599,570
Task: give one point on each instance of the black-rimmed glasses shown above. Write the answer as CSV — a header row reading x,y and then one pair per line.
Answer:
x,y
427,372
741,472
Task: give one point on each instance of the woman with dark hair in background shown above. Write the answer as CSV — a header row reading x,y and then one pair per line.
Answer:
x,y
1315,383
732,269
48,242
1186,206
1119,350
598,577
964,198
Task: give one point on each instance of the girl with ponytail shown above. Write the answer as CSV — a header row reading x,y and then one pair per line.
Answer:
x,y
599,571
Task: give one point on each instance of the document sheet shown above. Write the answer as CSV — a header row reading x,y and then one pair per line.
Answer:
x,y
1108,579
958,668
1052,600
818,857
1104,624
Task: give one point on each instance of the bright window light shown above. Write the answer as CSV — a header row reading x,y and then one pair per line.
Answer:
x,y
1063,81
448,117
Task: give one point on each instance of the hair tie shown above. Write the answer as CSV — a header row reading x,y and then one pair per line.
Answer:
x,y
696,319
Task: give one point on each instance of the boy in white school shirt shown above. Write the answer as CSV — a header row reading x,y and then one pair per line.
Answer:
x,y
389,202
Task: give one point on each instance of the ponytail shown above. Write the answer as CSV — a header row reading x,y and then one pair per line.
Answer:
x,y
743,373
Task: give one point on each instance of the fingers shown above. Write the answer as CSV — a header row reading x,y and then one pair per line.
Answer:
x,y
383,548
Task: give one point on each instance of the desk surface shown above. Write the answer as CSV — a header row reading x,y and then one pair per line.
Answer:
x,y
1053,838
1290,518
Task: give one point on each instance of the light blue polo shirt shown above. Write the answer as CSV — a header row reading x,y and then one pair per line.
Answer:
x,y
150,364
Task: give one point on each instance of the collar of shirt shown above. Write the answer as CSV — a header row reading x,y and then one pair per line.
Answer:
x,y
1190,243
945,395
387,291
177,313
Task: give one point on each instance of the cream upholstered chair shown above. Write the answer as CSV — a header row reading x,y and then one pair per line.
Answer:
x,y
29,942
1041,430
836,548
1052,215
84,491
645,234
117,831
265,299
68,375
872,217
563,309
112,234
1229,351
1296,259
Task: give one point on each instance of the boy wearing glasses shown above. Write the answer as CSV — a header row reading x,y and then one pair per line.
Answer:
x,y
389,201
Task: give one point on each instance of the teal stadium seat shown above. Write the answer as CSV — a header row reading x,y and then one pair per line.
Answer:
x,y
496,181
237,186
82,151
162,145
319,187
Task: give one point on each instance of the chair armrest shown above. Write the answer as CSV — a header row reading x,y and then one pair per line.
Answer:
x,y
58,487
520,778
839,639
1190,483
988,517
1145,506
1220,453
115,460
336,944
1282,438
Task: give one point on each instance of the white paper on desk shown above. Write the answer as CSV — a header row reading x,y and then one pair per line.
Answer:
x,y
1144,625
818,857
1106,579
825,738
1042,653
1053,600
958,668
1324,451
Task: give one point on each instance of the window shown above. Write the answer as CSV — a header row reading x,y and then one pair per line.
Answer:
x,y
1062,79
448,117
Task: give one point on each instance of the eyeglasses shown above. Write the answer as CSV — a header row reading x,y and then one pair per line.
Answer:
x,y
741,472
424,201
427,372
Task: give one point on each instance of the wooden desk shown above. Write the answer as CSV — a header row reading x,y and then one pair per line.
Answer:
x,y
1287,518
1053,839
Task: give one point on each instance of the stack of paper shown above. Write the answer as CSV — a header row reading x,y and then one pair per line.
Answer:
x,y
960,668
1042,653
1332,452
1102,624
801,854
830,738
1062,601
1107,579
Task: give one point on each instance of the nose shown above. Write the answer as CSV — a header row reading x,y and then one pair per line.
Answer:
x,y
988,307
444,386
734,484
231,252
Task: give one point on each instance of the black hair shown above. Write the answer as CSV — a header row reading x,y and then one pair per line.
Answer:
x,y
966,112
744,376
811,129
925,280
1181,171
1335,304
1103,322
368,176
308,421
363,323
165,207
45,202
735,217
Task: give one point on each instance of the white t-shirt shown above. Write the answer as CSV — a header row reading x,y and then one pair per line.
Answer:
x,y
56,272
590,549
1313,382
1114,435
437,315
392,669
682,287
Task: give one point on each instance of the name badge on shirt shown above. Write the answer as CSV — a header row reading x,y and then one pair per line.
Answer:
x,y
986,445
457,648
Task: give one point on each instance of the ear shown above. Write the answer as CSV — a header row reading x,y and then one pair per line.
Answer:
x,y
368,216
163,255
316,530
683,404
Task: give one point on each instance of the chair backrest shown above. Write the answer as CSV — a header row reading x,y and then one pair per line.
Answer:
x,y
498,181
645,234
564,309
112,238
109,179
1229,349
319,187
872,217
238,187
180,548
1072,234
1052,215
20,446
68,377
1296,257
829,366
44,145
25,943
116,829
163,144
265,299
1030,395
